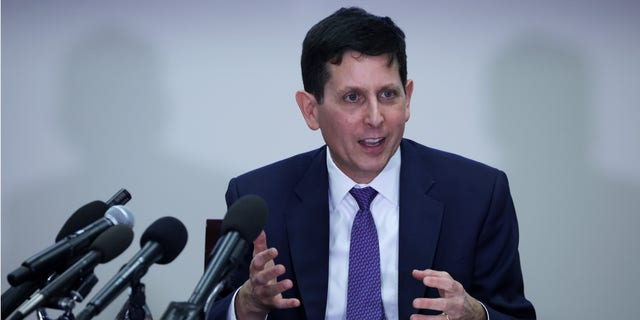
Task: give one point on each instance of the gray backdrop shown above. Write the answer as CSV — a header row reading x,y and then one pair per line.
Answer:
x,y
172,99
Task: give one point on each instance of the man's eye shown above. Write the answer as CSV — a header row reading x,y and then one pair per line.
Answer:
x,y
352,97
387,94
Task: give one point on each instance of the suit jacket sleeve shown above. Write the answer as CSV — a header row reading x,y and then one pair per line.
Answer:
x,y
497,274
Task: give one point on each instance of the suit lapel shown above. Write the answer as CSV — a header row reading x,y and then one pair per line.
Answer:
x,y
307,220
420,221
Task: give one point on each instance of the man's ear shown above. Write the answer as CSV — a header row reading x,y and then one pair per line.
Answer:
x,y
408,91
308,106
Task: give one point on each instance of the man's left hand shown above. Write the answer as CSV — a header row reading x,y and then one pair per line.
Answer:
x,y
454,301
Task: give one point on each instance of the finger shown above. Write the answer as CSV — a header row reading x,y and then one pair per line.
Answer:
x,y
268,275
424,317
447,285
262,258
431,303
260,243
420,274
272,291
440,280
286,303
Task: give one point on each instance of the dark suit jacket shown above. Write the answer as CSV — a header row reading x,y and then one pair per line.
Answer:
x,y
456,215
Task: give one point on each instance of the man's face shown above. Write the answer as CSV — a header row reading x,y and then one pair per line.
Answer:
x,y
363,114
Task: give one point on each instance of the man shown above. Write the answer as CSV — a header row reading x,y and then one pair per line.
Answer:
x,y
440,231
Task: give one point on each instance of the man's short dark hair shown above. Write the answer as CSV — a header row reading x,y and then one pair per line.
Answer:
x,y
349,29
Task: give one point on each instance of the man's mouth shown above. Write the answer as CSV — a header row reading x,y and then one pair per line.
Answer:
x,y
371,142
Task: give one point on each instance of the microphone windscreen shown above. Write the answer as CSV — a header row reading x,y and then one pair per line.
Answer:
x,y
83,217
248,216
112,242
170,234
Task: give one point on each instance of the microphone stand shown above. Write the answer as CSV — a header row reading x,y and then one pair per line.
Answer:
x,y
192,310
66,304
66,315
136,308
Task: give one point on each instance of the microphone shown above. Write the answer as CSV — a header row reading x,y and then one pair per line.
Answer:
x,y
104,248
91,212
83,217
15,295
241,225
161,243
120,198
71,245
87,214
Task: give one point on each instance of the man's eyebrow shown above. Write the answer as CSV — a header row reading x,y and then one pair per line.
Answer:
x,y
350,88
388,86
391,86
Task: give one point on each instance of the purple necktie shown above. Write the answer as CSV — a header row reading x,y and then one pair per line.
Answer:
x,y
364,300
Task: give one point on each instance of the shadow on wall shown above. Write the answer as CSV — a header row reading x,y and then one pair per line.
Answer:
x,y
578,240
113,113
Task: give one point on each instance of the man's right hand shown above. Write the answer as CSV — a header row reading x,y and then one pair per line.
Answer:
x,y
263,292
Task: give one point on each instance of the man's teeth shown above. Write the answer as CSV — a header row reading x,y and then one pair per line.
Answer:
x,y
372,141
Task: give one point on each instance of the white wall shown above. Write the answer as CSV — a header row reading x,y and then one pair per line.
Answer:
x,y
171,99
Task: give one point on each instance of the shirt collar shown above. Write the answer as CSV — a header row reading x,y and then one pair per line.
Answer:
x,y
387,182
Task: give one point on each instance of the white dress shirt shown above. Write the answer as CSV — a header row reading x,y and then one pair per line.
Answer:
x,y
342,212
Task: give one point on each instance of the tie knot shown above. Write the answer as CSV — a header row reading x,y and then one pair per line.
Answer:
x,y
363,196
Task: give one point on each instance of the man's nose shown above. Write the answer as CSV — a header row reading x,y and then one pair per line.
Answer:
x,y
374,115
